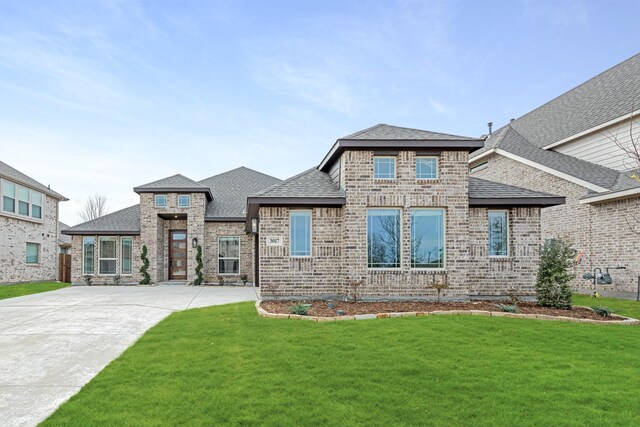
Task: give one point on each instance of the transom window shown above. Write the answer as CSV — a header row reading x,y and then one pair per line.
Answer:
x,y
20,200
88,251
161,200
384,167
300,233
126,255
107,261
427,238
426,167
228,255
184,200
33,253
498,233
383,238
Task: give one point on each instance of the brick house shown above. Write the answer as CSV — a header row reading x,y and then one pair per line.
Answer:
x,y
390,207
571,146
29,228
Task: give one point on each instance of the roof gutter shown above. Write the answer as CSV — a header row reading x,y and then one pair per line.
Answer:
x,y
611,196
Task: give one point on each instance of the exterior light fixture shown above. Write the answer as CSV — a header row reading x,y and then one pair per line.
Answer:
x,y
194,242
254,225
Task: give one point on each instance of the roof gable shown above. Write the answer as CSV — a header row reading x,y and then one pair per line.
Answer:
x,y
384,132
173,183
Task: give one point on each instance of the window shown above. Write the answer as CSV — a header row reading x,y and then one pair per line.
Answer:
x,y
33,253
161,200
88,251
300,233
384,167
498,233
107,260
8,196
36,204
228,255
126,255
184,200
427,238
426,167
383,238
23,200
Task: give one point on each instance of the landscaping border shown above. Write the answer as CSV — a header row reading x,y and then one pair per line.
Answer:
x,y
625,320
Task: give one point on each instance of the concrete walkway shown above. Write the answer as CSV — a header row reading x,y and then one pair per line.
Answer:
x,y
53,343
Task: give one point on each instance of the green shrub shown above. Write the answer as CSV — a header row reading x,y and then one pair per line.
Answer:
x,y
146,279
244,278
552,285
602,311
508,308
199,275
301,309
87,279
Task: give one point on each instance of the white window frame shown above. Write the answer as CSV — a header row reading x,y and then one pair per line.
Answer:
x,y
310,211
16,201
84,268
188,198
437,159
489,233
444,238
155,201
401,253
223,258
39,247
122,240
100,258
395,167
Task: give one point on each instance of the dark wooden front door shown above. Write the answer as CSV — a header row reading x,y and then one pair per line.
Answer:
x,y
177,255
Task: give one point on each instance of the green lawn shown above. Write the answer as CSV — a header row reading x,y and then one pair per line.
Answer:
x,y
619,306
11,291
226,366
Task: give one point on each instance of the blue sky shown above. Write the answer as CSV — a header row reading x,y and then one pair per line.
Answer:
x,y
98,97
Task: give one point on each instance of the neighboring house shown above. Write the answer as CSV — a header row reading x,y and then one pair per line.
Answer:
x,y
390,208
28,228
569,146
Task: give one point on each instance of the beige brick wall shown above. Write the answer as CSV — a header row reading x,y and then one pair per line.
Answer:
x,y
494,275
213,230
599,231
14,235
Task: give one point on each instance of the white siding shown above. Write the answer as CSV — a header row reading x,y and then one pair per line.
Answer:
x,y
600,146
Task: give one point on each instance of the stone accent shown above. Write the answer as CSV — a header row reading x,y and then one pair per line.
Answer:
x,y
16,232
599,231
493,275
213,230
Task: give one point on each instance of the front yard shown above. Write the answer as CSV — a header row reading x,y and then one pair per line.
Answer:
x,y
227,366
12,291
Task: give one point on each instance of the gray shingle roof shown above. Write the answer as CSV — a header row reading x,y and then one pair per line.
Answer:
x,y
482,190
231,189
605,97
384,132
15,175
175,182
311,183
125,221
63,239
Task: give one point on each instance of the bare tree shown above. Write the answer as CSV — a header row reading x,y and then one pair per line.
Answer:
x,y
94,207
631,149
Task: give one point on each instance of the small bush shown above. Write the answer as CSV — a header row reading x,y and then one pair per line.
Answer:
x,y
552,285
116,279
301,309
244,279
220,280
602,311
87,280
508,308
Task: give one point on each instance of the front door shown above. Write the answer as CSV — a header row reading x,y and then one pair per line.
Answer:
x,y
177,255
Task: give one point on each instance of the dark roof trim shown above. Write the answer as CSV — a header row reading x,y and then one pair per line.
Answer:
x,y
413,144
297,201
100,233
207,191
225,219
517,201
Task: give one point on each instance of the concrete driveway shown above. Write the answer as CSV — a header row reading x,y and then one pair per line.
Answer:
x,y
53,343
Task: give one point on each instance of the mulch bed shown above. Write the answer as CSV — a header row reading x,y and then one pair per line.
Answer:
x,y
321,308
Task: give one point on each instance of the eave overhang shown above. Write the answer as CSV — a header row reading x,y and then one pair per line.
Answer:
x,y
254,203
541,202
